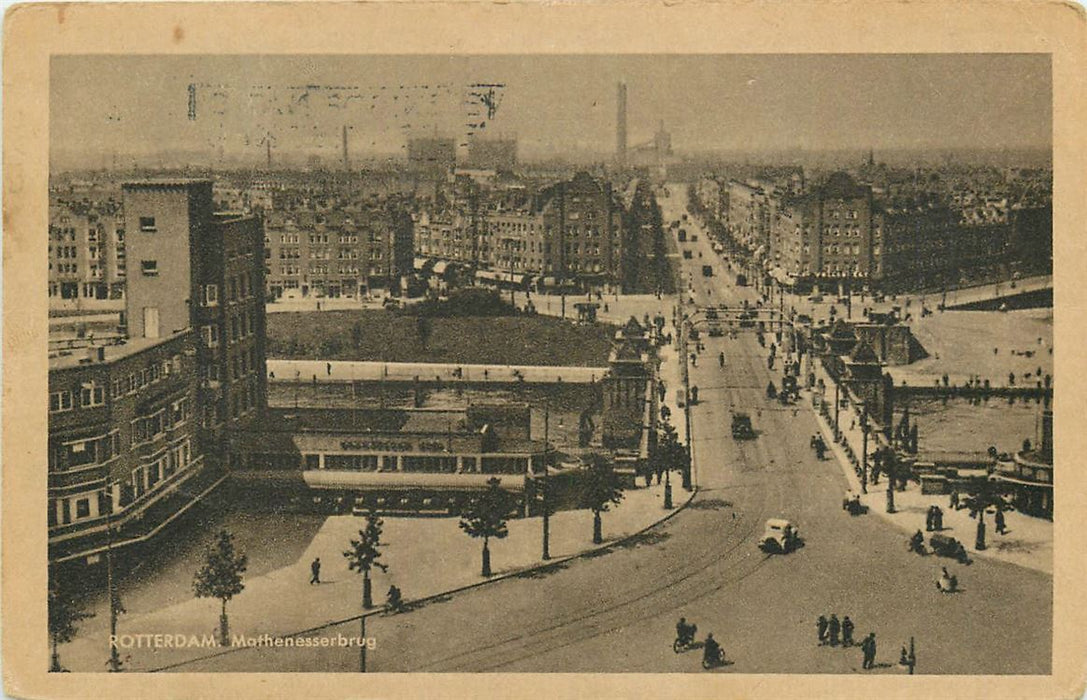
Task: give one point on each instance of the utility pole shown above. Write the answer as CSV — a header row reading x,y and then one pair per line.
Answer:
x,y
114,656
687,406
362,645
562,245
546,484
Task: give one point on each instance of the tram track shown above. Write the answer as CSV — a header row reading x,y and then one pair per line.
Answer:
x,y
724,567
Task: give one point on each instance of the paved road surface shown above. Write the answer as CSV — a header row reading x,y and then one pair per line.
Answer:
x,y
617,612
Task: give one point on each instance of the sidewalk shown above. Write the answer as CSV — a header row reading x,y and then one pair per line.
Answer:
x,y
346,371
620,307
1028,541
426,557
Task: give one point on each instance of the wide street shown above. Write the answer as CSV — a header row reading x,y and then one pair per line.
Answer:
x,y
617,611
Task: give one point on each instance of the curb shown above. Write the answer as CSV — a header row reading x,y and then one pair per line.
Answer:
x,y
851,478
453,591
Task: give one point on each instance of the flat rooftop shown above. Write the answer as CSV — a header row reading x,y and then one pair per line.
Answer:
x,y
65,358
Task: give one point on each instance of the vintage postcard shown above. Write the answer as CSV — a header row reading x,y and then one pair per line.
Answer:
x,y
664,350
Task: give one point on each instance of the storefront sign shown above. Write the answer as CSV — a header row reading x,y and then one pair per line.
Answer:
x,y
392,446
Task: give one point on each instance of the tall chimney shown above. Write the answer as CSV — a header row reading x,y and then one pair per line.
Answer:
x,y
346,162
621,127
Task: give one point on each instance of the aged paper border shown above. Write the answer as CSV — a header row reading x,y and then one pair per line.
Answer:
x,y
33,33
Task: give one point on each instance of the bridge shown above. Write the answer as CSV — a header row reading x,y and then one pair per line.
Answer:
x,y
995,292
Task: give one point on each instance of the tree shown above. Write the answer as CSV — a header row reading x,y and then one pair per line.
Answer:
x,y
600,489
486,515
364,555
670,454
221,576
65,614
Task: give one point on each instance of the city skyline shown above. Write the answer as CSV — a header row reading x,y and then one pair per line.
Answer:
x,y
139,107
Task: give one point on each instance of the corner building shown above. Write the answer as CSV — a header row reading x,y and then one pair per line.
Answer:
x,y
137,429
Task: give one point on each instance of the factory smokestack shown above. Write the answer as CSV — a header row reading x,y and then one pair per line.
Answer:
x,y
621,127
346,162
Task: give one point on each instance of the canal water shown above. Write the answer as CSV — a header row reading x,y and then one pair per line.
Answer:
x,y
960,425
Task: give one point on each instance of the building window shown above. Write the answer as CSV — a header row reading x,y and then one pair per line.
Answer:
x,y
150,268
147,224
211,294
83,508
92,395
211,336
60,401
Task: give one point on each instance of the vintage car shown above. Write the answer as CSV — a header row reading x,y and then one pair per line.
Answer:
x,y
779,536
741,427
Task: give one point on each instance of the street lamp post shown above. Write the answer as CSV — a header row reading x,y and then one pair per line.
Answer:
x,y
892,475
837,403
864,450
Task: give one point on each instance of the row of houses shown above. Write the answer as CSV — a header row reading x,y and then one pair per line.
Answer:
x,y
572,228
844,228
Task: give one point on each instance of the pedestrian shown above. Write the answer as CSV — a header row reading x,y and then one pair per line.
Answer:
x,y
821,626
833,628
847,632
315,380
648,478
868,646
315,571
954,500
928,520
328,368
937,518
271,375
1000,528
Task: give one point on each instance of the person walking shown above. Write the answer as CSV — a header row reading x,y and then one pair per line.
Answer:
x,y
833,628
328,368
1000,526
821,626
868,647
315,571
928,520
937,518
847,632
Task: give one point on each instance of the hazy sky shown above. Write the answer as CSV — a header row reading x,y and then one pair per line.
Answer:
x,y
138,105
